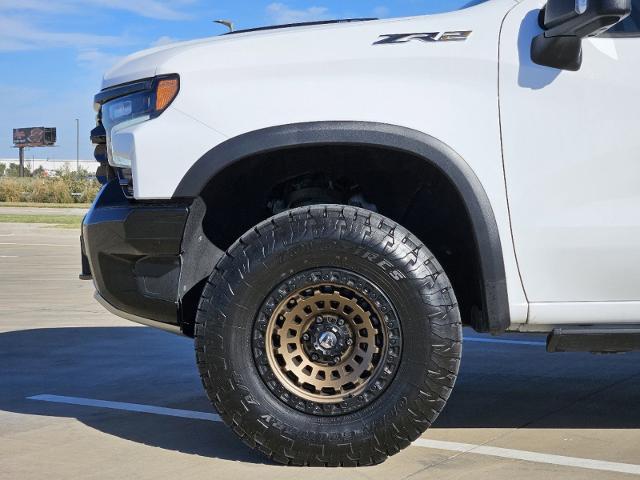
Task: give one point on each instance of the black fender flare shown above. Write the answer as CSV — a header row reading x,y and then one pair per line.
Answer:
x,y
393,137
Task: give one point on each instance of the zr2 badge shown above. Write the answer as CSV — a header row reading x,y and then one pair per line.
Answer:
x,y
430,37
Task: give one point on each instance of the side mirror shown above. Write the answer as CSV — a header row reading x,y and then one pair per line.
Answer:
x,y
567,22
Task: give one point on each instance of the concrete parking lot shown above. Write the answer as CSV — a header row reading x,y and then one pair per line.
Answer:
x,y
84,394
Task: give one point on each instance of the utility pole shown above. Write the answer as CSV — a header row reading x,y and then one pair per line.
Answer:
x,y
21,156
77,145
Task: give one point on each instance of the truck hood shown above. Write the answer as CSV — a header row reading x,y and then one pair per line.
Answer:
x,y
143,64
165,59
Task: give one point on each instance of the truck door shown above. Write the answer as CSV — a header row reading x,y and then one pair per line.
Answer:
x,y
571,151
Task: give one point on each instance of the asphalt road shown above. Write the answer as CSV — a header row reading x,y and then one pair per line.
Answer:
x,y
114,400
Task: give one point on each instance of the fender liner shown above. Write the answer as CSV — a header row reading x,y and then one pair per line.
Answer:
x,y
496,317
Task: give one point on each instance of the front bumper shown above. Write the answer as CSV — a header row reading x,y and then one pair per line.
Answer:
x,y
133,252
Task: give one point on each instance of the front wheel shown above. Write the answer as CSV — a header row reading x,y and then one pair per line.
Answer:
x,y
328,336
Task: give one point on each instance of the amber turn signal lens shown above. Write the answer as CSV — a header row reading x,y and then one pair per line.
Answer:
x,y
165,93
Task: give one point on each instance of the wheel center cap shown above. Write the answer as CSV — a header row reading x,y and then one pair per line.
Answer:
x,y
328,340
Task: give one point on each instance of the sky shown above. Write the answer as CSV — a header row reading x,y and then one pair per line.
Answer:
x,y
53,52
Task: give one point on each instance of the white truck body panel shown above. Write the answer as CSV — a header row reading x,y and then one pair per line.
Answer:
x,y
572,168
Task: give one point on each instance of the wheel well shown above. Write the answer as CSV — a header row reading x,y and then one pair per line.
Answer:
x,y
399,185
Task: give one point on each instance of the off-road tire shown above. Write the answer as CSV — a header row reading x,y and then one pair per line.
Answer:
x,y
295,244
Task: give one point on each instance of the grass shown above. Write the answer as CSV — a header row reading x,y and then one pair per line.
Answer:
x,y
45,205
67,188
60,221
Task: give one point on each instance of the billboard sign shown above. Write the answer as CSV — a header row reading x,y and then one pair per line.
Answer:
x,y
34,137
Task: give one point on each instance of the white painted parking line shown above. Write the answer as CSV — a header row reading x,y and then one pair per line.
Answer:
x,y
131,407
36,245
8,256
506,342
535,457
549,459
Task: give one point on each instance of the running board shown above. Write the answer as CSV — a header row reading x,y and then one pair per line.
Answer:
x,y
611,339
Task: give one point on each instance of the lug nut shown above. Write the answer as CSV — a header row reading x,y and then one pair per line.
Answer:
x,y
315,357
319,320
336,359
349,342
341,322
306,337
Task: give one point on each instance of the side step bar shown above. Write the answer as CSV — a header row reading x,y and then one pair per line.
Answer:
x,y
610,339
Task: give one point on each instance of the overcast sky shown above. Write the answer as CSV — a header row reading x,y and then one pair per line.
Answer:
x,y
53,52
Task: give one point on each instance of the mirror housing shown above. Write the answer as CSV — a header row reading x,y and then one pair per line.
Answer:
x,y
567,22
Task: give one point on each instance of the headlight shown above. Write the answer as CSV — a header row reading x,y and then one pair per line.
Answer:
x,y
138,107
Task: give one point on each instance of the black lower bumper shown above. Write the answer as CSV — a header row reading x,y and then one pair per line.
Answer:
x,y
133,253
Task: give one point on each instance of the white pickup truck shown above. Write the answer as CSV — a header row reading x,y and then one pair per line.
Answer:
x,y
324,206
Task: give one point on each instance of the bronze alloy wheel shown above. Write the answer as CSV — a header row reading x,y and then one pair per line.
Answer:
x,y
327,342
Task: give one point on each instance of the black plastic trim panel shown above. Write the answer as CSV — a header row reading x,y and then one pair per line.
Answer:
x,y
133,250
496,304
595,339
